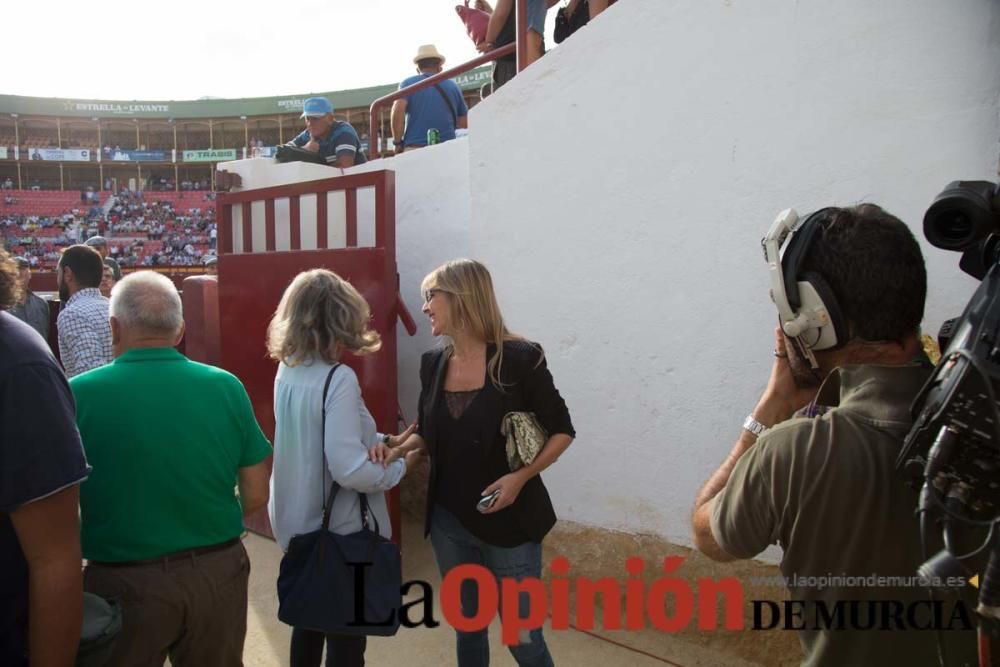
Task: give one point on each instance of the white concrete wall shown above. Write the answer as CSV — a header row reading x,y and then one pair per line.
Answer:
x,y
433,225
620,188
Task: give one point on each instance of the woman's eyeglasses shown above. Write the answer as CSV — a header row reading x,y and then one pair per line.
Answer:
x,y
429,294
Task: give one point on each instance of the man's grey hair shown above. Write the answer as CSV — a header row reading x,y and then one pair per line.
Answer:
x,y
147,301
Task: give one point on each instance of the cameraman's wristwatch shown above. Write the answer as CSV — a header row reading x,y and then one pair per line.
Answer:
x,y
754,426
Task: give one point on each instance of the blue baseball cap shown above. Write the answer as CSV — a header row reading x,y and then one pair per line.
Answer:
x,y
316,106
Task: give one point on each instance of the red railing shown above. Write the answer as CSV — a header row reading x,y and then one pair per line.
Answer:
x,y
520,45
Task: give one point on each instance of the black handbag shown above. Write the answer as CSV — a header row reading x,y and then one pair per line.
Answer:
x,y
567,25
341,584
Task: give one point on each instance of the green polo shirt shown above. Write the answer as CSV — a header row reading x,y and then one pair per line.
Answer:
x,y
166,437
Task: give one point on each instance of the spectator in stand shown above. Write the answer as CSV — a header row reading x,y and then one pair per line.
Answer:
x,y
172,553
440,107
84,334
100,244
335,141
30,308
41,467
107,282
212,266
501,31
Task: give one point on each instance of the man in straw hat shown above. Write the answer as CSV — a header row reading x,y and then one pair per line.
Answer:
x,y
440,107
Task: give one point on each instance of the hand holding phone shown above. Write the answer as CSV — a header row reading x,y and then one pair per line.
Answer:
x,y
486,502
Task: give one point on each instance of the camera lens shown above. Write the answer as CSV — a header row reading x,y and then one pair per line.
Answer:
x,y
961,215
953,228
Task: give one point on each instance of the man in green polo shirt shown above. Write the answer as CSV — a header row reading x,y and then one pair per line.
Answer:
x,y
170,440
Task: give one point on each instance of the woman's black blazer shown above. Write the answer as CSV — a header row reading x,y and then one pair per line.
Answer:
x,y
527,386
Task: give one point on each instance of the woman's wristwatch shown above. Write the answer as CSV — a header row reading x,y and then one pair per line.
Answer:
x,y
385,439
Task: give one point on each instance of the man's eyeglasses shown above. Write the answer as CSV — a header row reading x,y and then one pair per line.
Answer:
x,y
313,119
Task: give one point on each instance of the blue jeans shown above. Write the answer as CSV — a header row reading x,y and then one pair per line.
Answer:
x,y
453,546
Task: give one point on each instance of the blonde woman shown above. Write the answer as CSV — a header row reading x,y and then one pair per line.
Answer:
x,y
467,386
320,318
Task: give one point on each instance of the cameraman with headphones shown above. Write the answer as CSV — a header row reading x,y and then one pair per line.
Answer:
x,y
849,289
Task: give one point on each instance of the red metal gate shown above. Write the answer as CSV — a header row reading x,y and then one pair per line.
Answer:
x,y
265,240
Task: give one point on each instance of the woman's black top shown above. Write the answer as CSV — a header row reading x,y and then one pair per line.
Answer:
x,y
468,453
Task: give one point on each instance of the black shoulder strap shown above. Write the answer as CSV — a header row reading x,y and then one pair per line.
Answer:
x,y
334,486
454,116
328,504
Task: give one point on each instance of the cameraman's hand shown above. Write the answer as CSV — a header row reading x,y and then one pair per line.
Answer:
x,y
783,397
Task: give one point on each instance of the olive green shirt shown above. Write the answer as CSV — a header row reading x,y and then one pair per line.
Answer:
x,y
166,437
825,489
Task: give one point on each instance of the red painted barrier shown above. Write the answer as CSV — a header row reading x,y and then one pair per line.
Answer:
x,y
200,296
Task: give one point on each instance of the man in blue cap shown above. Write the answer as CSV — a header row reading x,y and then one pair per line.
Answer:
x,y
335,141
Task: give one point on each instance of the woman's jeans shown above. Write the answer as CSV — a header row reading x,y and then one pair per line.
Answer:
x,y
341,650
454,545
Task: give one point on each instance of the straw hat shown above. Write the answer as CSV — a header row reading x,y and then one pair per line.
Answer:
x,y
428,51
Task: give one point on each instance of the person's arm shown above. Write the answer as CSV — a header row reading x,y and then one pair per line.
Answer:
x,y
779,402
542,398
701,520
462,113
299,139
66,324
398,123
254,487
510,485
414,442
347,455
497,19
48,531
252,476
345,148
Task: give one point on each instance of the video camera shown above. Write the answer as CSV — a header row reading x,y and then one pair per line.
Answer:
x,y
952,453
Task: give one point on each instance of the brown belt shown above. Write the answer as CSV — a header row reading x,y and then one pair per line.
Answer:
x,y
178,555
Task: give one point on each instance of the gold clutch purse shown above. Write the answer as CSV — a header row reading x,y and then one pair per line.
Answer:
x,y
525,438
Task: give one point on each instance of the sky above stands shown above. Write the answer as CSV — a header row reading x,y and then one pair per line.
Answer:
x,y
186,50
